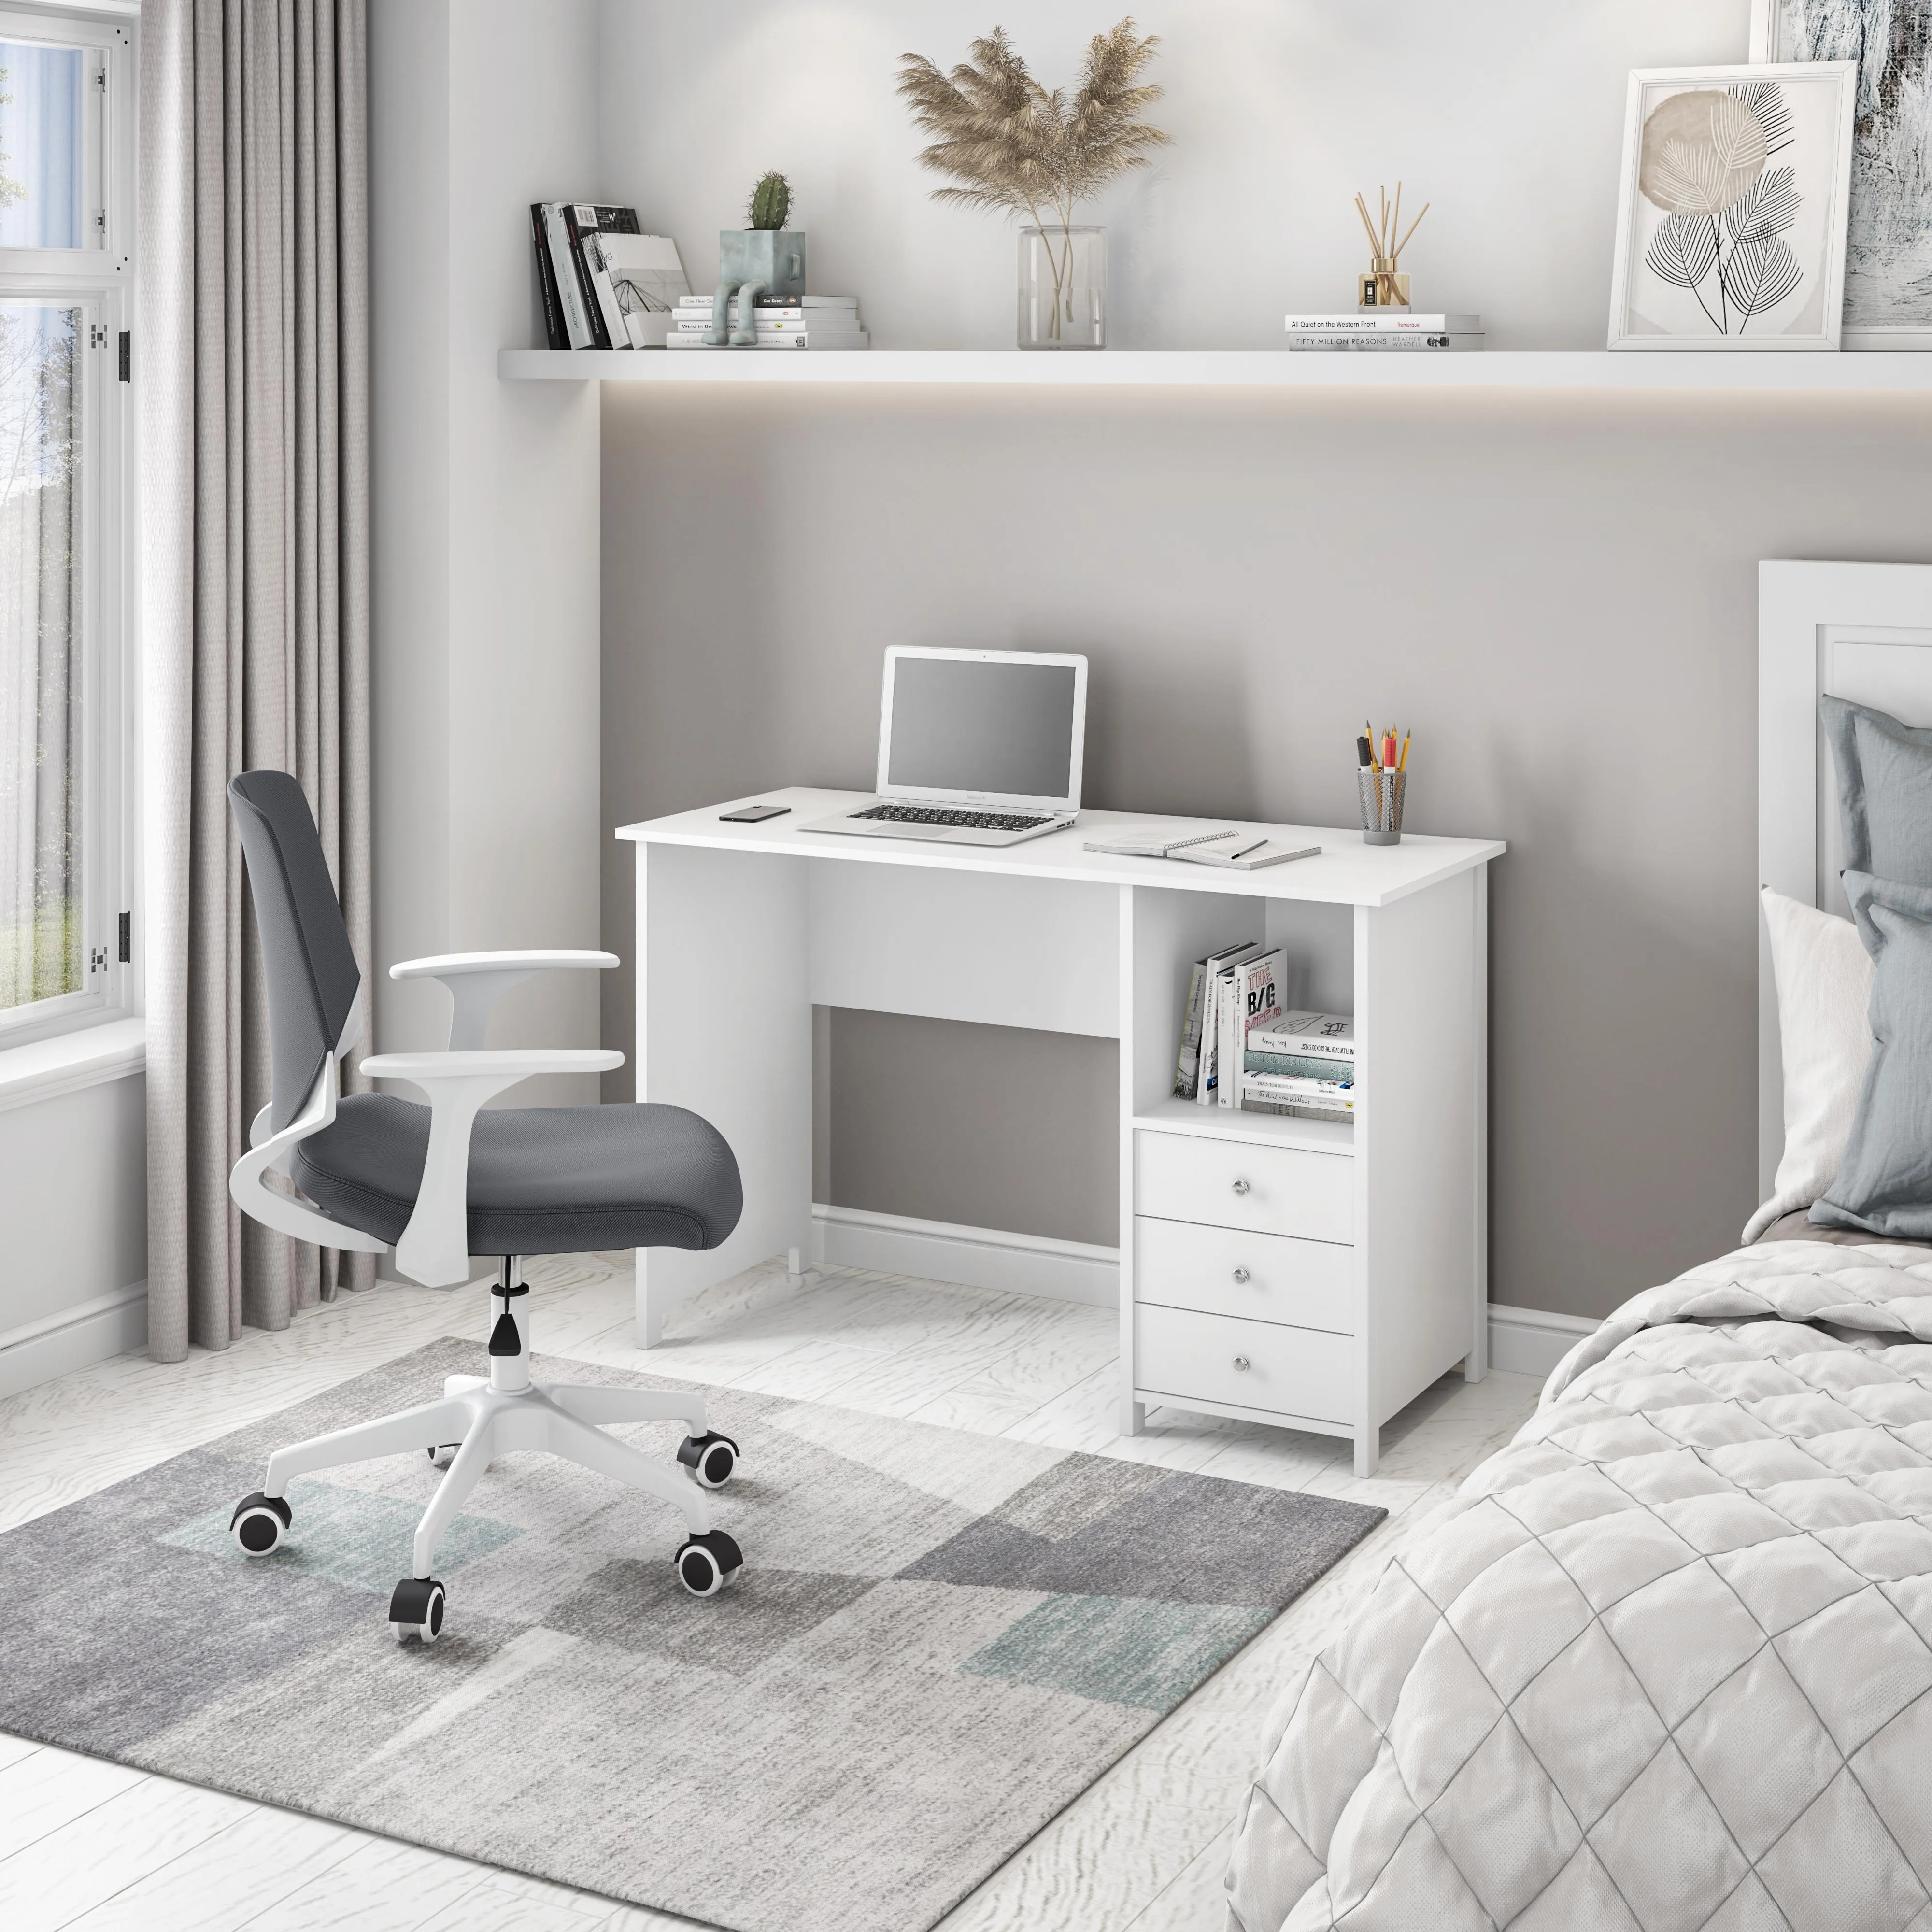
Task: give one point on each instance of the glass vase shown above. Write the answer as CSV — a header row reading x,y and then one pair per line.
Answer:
x,y
1062,288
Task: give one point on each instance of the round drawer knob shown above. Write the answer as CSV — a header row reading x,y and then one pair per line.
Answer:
x,y
1241,1275
1241,1365
1241,1186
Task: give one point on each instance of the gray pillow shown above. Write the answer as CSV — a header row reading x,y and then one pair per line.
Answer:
x,y
1885,1186
1885,792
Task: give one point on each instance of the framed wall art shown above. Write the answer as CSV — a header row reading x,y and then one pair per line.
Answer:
x,y
1888,241
1731,218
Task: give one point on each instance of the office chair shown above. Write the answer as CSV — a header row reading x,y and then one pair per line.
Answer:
x,y
442,1183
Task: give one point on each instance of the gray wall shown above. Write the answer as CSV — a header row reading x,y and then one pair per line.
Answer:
x,y
1506,116
1558,593
485,628
919,1119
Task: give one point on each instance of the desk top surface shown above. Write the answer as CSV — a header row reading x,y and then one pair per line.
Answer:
x,y
1347,872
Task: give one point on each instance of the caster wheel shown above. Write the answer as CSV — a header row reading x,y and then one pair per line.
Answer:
x,y
416,1608
711,1458
707,1563
259,1523
444,1453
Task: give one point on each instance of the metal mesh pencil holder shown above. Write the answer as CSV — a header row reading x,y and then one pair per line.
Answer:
x,y
1381,807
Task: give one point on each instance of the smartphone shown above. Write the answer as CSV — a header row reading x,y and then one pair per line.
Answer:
x,y
753,815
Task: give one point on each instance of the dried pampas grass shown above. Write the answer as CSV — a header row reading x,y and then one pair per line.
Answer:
x,y
1019,148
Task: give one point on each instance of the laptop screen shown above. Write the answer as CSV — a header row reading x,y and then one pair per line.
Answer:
x,y
969,726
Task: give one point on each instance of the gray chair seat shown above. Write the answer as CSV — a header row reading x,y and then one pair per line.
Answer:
x,y
543,1181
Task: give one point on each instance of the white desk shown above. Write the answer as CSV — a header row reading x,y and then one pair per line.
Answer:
x,y
1362,1250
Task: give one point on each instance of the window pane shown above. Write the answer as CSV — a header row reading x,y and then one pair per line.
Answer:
x,y
40,146
40,937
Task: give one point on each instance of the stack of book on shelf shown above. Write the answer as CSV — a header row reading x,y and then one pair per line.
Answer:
x,y
1385,328
605,283
784,322
1302,1064
1239,1048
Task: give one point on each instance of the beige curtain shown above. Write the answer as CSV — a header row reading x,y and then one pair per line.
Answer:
x,y
251,363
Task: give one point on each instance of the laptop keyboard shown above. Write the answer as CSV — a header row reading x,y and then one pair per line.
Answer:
x,y
932,814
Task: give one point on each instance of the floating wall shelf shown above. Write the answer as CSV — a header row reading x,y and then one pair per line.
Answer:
x,y
1413,369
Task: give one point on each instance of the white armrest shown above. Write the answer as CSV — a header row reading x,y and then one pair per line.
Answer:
x,y
255,1198
435,1246
477,980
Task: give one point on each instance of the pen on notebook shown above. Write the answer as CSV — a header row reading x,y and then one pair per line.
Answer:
x,y
1254,846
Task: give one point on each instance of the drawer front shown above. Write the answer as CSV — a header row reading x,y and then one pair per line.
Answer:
x,y
1230,1271
1235,1184
1252,1364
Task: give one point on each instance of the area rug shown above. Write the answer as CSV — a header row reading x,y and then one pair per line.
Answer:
x,y
939,1640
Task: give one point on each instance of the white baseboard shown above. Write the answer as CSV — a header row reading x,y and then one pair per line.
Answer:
x,y
57,1345
1532,1341
1524,1341
978,1257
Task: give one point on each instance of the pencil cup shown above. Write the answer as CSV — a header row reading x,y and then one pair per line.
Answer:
x,y
1381,807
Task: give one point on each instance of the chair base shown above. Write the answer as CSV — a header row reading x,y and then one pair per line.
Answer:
x,y
480,1418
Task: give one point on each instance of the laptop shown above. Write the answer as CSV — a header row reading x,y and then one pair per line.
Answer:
x,y
976,748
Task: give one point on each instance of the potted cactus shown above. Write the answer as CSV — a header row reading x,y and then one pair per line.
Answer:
x,y
766,258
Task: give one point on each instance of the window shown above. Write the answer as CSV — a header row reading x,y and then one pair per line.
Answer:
x,y
66,105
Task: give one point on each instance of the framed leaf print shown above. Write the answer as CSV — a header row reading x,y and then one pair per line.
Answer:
x,y
1731,221
1888,248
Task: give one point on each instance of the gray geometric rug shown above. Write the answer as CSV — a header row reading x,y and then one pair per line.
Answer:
x,y
939,1640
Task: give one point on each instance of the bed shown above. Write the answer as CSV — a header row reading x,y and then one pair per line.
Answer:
x,y
1666,1661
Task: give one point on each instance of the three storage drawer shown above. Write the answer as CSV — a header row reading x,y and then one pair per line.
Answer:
x,y
1244,1268
1236,1184
1230,1271
1255,1365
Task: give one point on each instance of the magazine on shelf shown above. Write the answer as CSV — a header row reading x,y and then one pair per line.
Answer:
x,y
650,281
1250,995
1212,968
1187,1062
564,272
556,333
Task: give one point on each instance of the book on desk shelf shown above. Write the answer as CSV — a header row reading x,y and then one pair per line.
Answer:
x,y
1300,1065
1250,996
1312,1036
1286,1093
1194,1068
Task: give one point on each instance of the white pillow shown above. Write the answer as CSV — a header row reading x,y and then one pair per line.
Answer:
x,y
1824,979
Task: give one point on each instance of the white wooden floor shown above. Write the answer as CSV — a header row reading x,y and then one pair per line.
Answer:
x,y
88,1844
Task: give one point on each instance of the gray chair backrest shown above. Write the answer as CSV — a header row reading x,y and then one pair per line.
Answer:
x,y
306,956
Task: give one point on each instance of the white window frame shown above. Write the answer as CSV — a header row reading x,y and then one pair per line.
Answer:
x,y
98,280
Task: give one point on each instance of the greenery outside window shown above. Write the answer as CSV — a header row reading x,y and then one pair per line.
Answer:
x,y
67,746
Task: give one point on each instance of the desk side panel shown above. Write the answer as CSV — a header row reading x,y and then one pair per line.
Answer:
x,y
1418,1167
724,1028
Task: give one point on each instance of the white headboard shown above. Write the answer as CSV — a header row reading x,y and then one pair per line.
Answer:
x,y
1860,630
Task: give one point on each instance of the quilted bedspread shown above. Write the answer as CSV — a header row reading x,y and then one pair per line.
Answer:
x,y
1665,1662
